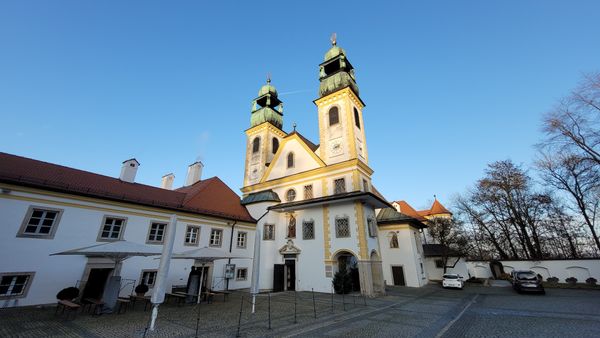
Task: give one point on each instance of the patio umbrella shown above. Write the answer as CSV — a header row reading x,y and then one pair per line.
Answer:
x,y
204,255
117,251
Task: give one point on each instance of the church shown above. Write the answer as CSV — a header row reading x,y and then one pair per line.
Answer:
x,y
316,208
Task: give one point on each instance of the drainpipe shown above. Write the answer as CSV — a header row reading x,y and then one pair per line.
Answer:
x,y
230,247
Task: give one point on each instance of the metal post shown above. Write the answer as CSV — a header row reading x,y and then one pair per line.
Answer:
x,y
344,300
332,300
240,318
314,308
269,310
295,301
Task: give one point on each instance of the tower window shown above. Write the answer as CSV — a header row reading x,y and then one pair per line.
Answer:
x,y
356,119
255,145
290,160
275,145
334,116
290,195
339,186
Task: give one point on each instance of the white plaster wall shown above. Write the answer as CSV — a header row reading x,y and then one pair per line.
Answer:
x,y
303,161
435,274
79,227
581,269
405,255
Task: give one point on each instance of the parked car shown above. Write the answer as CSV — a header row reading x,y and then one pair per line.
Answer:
x,y
527,281
452,280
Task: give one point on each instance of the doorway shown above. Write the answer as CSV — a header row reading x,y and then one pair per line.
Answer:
x,y
290,274
94,287
347,261
398,275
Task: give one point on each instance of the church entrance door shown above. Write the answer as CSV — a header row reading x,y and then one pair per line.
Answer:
x,y
278,277
398,275
290,274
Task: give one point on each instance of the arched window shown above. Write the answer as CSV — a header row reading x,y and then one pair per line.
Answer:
x,y
256,144
334,116
291,233
290,159
394,241
290,195
275,145
356,119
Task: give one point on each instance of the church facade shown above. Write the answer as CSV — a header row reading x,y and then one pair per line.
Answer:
x,y
315,204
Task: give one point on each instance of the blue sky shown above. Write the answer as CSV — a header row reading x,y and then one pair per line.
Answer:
x,y
449,85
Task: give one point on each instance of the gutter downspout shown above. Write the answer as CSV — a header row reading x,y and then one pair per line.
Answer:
x,y
256,261
230,248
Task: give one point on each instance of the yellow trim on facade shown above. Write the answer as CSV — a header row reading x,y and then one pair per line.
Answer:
x,y
394,227
360,228
306,174
280,151
355,180
326,233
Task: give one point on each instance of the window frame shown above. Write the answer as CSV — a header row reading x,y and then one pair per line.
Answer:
x,y
155,271
27,218
30,275
371,227
311,189
337,116
291,160
272,237
305,223
337,229
164,233
210,240
190,226
335,186
290,195
274,145
256,145
245,239
237,271
121,231
356,118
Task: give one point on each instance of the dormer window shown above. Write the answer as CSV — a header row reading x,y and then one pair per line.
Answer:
x,y
356,119
290,160
255,145
334,116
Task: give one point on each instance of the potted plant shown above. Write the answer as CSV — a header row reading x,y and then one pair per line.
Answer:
x,y
141,290
571,280
552,280
591,281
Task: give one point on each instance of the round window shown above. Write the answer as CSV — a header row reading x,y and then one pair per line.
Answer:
x,y
290,195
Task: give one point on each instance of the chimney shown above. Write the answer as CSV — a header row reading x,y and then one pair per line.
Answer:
x,y
128,170
194,173
167,181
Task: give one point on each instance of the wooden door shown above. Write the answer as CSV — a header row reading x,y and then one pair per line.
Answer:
x,y
278,277
398,275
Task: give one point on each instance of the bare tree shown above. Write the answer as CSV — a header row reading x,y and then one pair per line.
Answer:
x,y
447,232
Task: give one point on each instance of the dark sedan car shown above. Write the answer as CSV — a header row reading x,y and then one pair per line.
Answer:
x,y
527,281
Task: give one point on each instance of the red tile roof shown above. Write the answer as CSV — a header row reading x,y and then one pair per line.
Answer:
x,y
207,197
406,209
437,208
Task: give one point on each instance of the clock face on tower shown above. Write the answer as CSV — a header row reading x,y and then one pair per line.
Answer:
x,y
335,147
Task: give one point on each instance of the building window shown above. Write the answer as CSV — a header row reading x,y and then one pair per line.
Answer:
x,y
40,223
339,186
112,229
291,233
156,234
439,263
371,227
192,235
308,191
342,227
365,185
356,118
256,144
241,239
334,116
394,241
148,277
15,284
308,229
290,195
241,274
269,232
290,160
275,145
215,237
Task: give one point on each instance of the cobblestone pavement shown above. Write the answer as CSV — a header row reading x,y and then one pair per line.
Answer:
x,y
403,312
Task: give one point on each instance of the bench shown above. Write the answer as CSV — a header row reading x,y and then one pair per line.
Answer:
x,y
122,302
67,305
94,305
180,297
